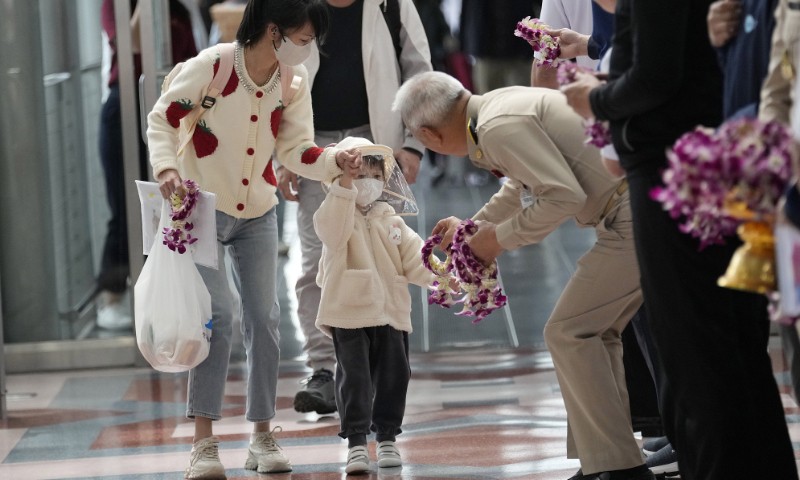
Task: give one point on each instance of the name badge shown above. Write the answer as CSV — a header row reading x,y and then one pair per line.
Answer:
x,y
526,197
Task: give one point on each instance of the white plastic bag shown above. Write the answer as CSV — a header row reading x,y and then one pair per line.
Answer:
x,y
172,308
204,251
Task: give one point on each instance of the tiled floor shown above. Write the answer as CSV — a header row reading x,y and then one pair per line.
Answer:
x,y
479,406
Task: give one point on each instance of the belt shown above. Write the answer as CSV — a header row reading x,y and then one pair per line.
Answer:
x,y
621,189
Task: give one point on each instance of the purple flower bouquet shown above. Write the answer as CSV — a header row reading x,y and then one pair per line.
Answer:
x,y
546,49
182,202
744,166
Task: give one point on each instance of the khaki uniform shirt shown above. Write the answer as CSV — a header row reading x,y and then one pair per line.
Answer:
x,y
780,90
533,137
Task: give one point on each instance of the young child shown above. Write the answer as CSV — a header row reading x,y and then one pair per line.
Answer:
x,y
369,256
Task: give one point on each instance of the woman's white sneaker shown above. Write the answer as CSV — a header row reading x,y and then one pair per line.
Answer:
x,y
264,454
204,463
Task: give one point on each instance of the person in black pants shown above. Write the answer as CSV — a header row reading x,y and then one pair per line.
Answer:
x,y
719,400
112,279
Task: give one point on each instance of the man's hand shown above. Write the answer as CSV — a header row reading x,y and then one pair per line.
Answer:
x,y
484,243
409,164
577,93
573,44
168,182
287,183
724,18
446,227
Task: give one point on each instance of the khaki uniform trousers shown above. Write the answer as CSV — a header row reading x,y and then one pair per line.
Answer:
x,y
583,336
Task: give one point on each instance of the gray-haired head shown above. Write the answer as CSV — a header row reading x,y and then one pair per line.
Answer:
x,y
426,99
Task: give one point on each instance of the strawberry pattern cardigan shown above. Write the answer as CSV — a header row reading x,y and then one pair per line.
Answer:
x,y
231,148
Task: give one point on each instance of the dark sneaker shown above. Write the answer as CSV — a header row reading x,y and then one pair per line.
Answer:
x,y
578,475
652,445
664,462
318,394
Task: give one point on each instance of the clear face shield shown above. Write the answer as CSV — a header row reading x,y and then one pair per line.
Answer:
x,y
381,180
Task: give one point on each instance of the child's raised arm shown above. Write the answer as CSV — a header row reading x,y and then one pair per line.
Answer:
x,y
350,167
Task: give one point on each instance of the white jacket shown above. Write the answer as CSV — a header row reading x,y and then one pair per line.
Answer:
x,y
367,263
382,73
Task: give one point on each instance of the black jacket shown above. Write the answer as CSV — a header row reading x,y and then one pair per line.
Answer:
x,y
664,79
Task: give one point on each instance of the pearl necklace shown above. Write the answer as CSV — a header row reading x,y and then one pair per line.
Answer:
x,y
239,68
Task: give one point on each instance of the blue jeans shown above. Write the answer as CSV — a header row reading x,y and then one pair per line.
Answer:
x,y
253,245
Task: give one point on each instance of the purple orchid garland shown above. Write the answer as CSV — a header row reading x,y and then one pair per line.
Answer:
x,y
745,160
182,202
546,48
483,294
598,133
442,294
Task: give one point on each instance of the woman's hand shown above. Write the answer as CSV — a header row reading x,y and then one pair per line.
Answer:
x,y
572,43
168,182
577,93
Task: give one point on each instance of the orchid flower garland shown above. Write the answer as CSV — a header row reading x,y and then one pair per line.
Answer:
x,y
546,48
745,161
182,202
442,293
597,133
483,293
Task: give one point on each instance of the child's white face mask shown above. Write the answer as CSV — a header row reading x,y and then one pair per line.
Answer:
x,y
369,189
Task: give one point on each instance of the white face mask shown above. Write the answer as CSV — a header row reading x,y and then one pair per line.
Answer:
x,y
289,53
369,189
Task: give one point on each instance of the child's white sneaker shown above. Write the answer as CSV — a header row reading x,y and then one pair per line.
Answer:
x,y
204,463
264,454
388,454
357,460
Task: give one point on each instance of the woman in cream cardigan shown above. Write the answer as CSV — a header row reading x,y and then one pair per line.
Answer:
x,y
230,155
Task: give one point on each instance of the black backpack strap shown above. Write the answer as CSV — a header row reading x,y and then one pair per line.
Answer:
x,y
391,15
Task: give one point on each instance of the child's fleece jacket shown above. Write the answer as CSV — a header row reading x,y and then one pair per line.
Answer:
x,y
367,263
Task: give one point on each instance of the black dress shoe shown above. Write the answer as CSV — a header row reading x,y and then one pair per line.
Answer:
x,y
578,476
645,474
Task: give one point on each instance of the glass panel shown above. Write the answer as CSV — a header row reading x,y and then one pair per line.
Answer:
x,y
51,107
54,111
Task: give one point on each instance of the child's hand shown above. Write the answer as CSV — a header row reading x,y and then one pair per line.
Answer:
x,y
351,156
351,165
454,284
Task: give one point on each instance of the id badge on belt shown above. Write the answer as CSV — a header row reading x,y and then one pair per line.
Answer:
x,y
526,197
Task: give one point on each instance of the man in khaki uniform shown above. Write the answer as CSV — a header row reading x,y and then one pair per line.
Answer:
x,y
532,137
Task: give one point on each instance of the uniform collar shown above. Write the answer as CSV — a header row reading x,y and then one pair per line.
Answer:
x,y
474,151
